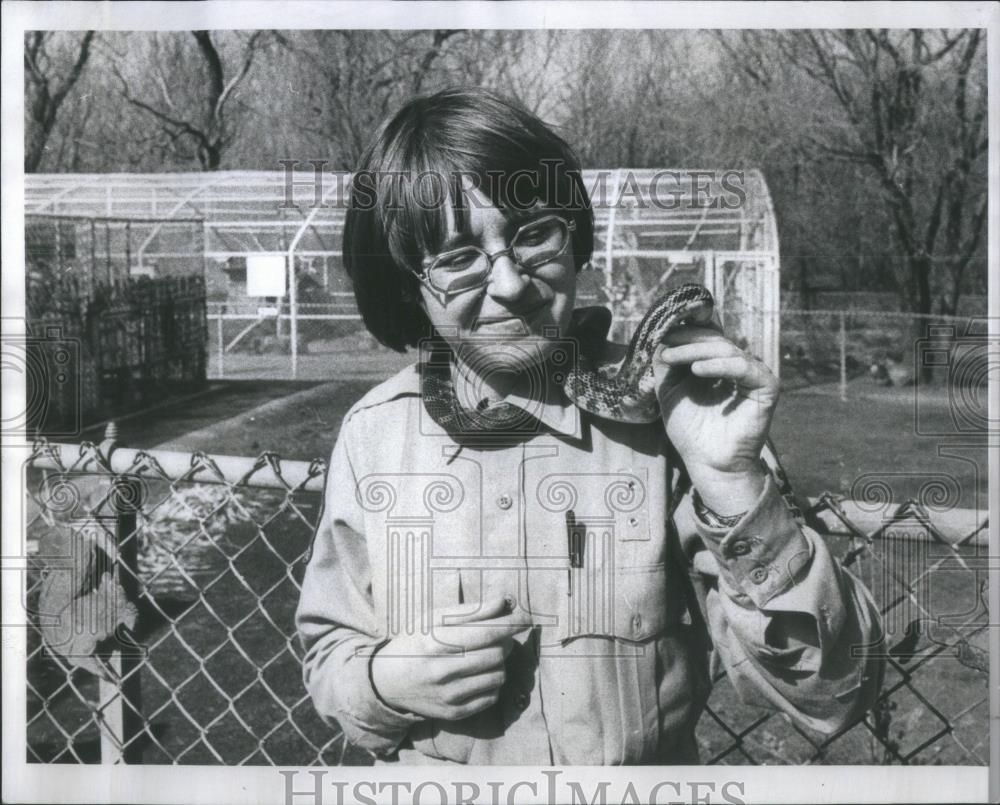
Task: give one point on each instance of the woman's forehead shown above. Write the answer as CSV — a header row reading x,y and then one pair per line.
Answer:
x,y
478,211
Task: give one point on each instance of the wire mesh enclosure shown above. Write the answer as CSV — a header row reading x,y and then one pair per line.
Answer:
x,y
654,229
211,551
115,316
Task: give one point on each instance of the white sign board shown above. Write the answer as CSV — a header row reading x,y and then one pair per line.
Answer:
x,y
265,275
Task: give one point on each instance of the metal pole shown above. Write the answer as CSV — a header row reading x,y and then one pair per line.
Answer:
x,y
293,306
609,247
107,251
121,699
92,279
222,346
59,249
843,357
291,267
299,475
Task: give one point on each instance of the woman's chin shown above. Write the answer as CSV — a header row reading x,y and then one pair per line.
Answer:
x,y
508,356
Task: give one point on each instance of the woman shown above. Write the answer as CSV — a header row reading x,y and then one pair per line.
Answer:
x,y
497,578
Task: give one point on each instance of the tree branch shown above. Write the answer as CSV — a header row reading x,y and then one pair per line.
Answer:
x,y
251,51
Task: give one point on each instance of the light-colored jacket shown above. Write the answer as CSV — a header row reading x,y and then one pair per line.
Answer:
x,y
616,671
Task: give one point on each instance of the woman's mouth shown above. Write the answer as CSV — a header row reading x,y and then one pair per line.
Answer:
x,y
511,324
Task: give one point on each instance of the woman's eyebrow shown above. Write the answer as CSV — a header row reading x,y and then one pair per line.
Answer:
x,y
456,239
521,215
512,222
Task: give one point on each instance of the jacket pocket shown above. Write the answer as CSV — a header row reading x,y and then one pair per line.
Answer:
x,y
629,603
636,607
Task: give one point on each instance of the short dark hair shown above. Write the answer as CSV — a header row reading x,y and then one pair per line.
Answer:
x,y
416,164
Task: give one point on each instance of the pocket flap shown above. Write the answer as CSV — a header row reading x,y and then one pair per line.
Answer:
x,y
634,603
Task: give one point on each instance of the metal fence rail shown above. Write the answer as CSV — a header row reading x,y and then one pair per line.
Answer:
x,y
209,553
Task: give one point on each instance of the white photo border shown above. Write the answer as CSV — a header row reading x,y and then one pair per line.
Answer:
x,y
23,782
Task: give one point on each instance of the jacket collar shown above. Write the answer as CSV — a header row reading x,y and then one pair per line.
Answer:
x,y
555,411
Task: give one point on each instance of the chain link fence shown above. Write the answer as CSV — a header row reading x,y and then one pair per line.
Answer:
x,y
853,352
201,558
845,353
253,342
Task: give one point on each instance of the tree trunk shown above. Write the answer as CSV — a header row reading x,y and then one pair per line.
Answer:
x,y
920,268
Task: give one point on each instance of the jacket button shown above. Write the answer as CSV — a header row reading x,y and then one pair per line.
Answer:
x,y
505,502
758,573
740,547
521,701
636,623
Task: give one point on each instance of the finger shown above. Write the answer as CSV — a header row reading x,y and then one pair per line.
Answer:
x,y
699,351
472,636
688,333
479,661
474,687
475,611
474,706
748,374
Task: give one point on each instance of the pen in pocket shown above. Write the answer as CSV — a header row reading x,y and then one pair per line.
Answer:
x,y
575,535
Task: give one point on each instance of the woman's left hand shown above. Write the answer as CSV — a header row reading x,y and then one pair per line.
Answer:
x,y
717,402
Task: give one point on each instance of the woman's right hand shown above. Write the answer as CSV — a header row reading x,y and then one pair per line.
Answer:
x,y
455,671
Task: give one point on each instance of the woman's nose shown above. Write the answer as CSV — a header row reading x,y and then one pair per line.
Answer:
x,y
507,282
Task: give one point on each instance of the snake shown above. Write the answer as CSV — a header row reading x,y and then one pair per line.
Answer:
x,y
609,380
624,390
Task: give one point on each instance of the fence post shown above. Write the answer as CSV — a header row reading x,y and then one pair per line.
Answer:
x,y
222,345
121,699
843,356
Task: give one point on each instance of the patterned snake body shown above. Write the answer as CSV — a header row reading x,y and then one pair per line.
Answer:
x,y
625,390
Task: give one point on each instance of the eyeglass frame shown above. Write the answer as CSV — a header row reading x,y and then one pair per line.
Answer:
x,y
423,275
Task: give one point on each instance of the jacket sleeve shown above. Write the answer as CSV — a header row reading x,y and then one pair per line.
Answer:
x,y
787,621
336,620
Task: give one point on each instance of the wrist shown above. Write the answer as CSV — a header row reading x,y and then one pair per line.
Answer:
x,y
373,676
711,518
728,493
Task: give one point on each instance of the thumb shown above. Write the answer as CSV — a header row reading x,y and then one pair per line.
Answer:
x,y
668,381
494,607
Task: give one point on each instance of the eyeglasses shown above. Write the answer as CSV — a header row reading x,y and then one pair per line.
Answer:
x,y
536,243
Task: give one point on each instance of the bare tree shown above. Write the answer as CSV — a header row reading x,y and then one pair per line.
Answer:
x,y
624,104
348,81
522,65
50,73
190,97
910,108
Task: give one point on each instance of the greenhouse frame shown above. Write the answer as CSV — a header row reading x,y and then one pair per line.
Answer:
x,y
654,229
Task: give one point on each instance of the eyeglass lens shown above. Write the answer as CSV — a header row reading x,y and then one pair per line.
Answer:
x,y
533,245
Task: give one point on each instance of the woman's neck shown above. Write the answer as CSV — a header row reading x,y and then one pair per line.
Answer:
x,y
472,387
